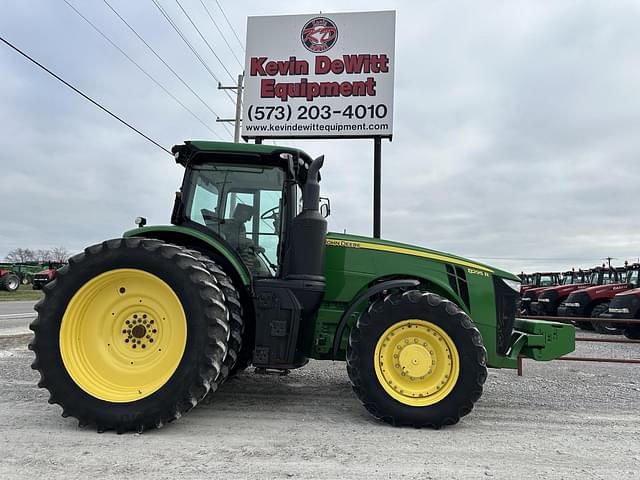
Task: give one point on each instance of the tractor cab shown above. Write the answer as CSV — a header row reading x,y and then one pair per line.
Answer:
x,y
573,277
263,205
247,201
633,275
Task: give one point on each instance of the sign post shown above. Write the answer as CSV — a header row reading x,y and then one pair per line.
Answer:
x,y
321,76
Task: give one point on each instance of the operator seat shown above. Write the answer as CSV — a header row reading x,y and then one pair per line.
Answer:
x,y
233,228
235,233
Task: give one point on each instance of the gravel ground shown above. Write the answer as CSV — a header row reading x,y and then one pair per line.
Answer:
x,y
560,420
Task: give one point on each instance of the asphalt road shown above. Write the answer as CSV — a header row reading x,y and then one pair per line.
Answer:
x,y
15,317
561,420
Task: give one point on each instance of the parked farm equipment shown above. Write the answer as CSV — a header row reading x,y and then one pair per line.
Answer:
x,y
540,281
9,280
594,300
626,305
551,298
136,331
47,275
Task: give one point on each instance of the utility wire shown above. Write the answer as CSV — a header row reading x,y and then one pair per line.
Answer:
x,y
161,59
84,95
193,50
221,34
147,74
230,26
205,40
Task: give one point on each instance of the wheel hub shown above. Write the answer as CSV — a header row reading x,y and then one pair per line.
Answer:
x,y
416,362
415,359
139,330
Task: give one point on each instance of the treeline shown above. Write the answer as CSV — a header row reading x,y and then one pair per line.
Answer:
x,y
24,255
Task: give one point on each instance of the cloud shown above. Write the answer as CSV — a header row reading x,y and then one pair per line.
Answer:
x,y
515,128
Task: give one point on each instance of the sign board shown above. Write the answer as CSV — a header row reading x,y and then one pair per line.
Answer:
x,y
319,75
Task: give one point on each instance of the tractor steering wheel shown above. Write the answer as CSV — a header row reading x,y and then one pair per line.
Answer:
x,y
271,214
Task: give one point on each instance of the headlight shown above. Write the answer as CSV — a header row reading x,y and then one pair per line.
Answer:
x,y
544,300
572,304
619,310
512,284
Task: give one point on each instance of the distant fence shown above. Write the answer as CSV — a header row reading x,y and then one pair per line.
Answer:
x,y
589,339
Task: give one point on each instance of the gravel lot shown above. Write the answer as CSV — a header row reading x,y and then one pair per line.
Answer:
x,y
561,420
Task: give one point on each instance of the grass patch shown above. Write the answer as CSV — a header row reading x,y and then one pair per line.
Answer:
x,y
25,292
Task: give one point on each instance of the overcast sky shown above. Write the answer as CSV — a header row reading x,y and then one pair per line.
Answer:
x,y
516,126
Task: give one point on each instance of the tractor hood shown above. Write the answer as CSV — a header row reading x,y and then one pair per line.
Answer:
x,y
635,292
597,291
369,243
535,291
563,290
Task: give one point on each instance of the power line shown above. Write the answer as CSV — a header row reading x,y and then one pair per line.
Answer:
x,y
161,59
147,74
230,26
221,34
204,40
184,39
84,95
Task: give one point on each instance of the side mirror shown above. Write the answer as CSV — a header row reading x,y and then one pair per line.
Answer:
x,y
325,207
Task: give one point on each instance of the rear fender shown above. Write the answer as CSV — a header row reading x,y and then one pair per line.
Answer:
x,y
206,244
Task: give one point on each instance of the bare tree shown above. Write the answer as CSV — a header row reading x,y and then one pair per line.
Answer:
x,y
21,255
44,256
59,254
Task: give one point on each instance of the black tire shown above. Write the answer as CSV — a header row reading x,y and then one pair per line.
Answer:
x,y
632,332
604,327
395,308
10,282
232,301
200,368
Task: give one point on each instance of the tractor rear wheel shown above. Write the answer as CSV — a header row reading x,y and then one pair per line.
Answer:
x,y
10,282
604,327
232,302
130,335
416,359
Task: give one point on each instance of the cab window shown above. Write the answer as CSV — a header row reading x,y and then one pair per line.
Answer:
x,y
242,205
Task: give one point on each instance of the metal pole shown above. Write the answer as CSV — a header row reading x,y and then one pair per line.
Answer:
x,y
377,175
236,130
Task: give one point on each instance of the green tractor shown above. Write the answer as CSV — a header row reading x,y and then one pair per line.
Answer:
x,y
136,331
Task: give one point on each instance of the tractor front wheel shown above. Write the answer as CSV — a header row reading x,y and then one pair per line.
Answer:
x,y
604,327
416,359
131,334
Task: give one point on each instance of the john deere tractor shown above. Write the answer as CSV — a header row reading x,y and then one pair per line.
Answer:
x,y
135,331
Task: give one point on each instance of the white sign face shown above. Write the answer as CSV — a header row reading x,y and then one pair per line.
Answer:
x,y
324,75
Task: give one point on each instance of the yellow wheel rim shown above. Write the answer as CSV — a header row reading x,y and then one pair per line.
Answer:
x,y
416,362
123,335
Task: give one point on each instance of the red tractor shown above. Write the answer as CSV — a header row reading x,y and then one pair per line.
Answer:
x,y
551,298
626,305
45,276
594,301
529,293
9,281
